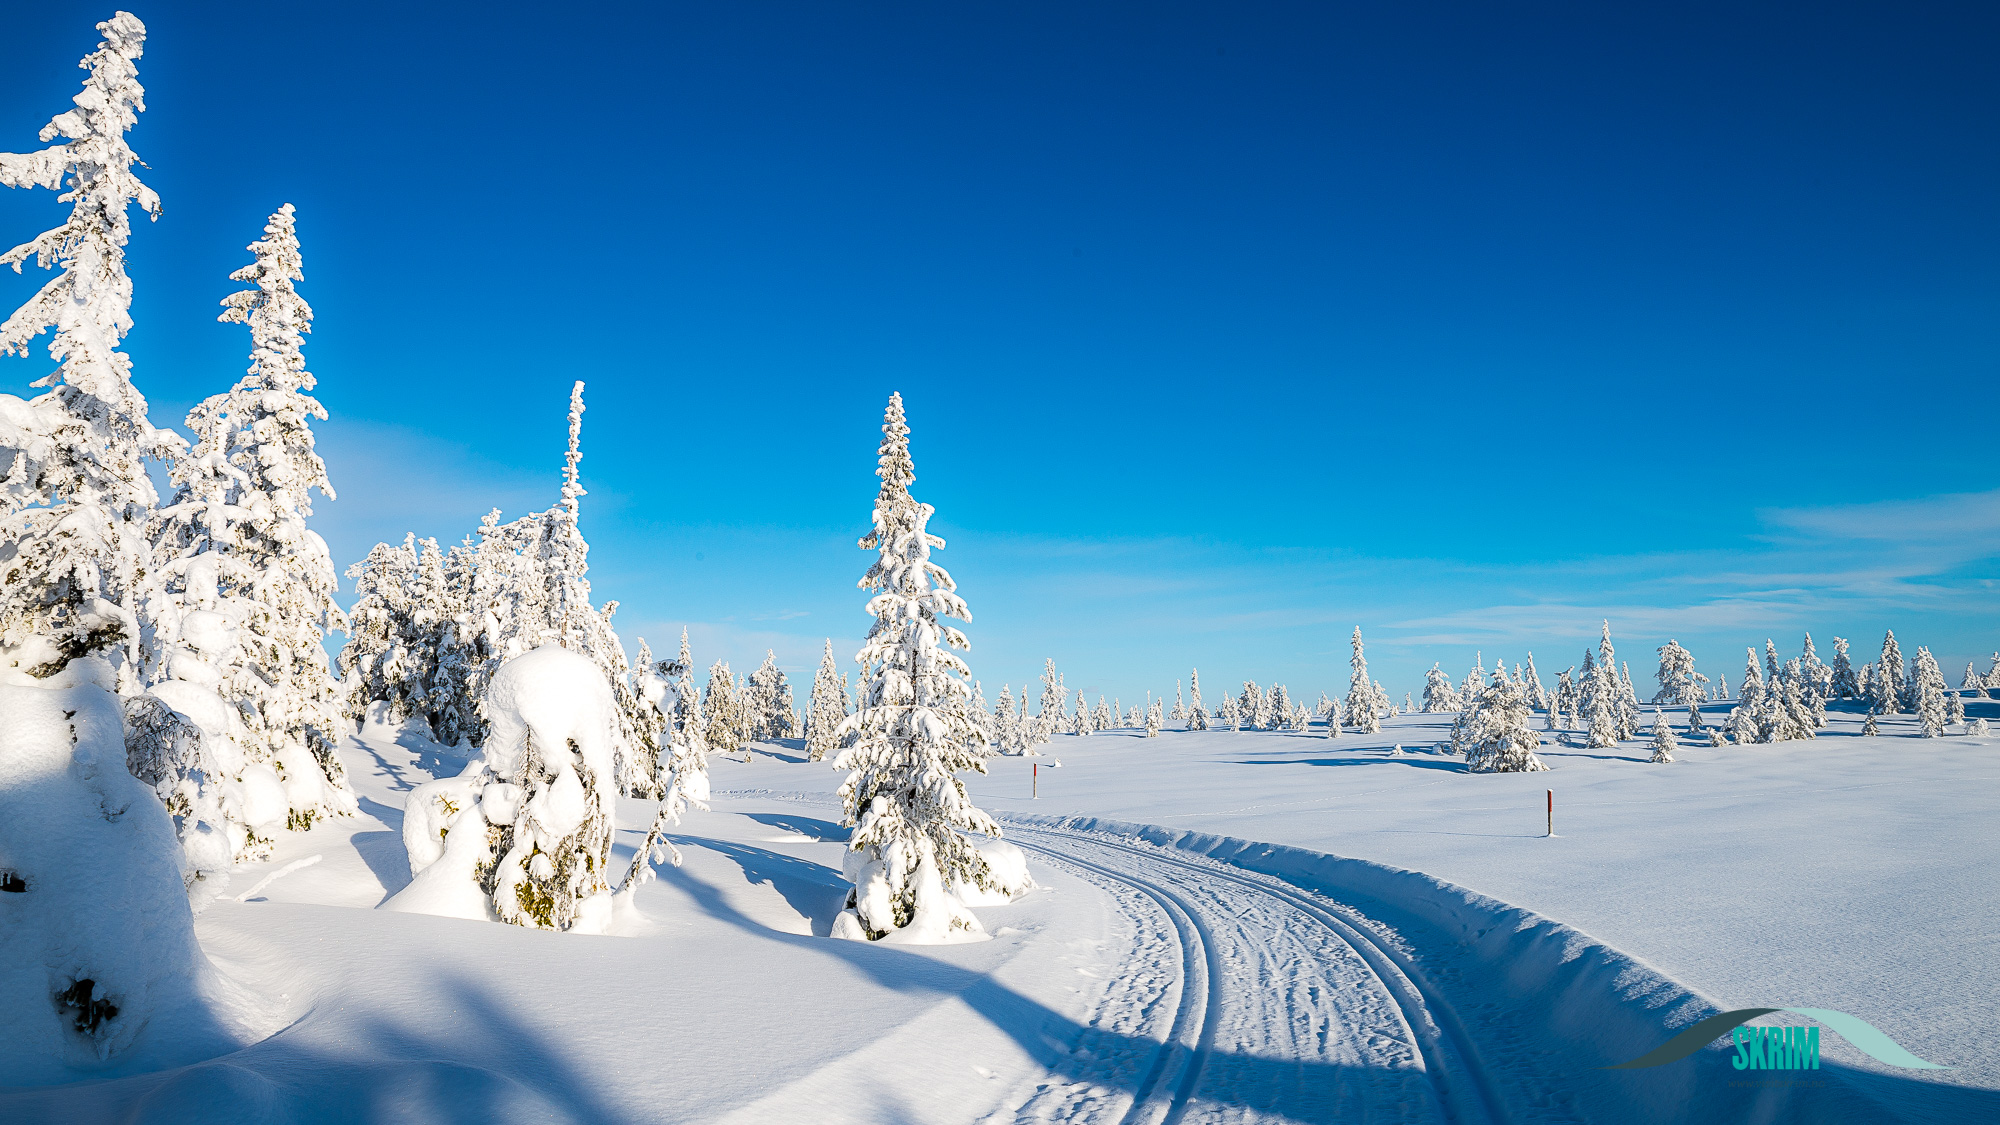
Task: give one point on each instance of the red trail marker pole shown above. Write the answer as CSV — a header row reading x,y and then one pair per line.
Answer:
x,y
1035,772
1552,812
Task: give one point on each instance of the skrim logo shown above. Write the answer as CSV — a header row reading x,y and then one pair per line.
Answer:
x,y
1779,1048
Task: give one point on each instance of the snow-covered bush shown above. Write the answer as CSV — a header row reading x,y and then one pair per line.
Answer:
x,y
914,732
1976,728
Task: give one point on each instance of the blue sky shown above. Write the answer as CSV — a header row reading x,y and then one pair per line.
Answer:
x,y
1223,327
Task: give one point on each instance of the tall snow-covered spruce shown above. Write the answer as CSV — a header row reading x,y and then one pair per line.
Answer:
x,y
827,708
99,938
73,529
913,734
242,592
1362,712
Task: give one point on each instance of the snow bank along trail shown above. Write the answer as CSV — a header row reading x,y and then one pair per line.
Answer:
x,y
1339,989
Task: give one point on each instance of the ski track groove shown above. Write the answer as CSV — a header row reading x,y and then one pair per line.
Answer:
x,y
1183,1044
1462,1090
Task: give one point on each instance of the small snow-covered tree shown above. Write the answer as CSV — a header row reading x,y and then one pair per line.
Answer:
x,y
681,767
1178,716
1663,739
1153,719
1818,677
1361,712
827,708
1971,680
1197,716
1531,682
1493,734
76,497
1278,705
909,811
1565,701
1679,682
723,708
1232,714
1084,723
1843,685
379,661
1053,703
1890,693
1868,727
1927,691
1475,680
1250,704
769,705
1102,716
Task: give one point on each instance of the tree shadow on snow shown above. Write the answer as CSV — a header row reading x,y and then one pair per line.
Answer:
x,y
815,891
819,831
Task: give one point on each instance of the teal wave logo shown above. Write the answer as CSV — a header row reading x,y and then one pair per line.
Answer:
x,y
1780,1048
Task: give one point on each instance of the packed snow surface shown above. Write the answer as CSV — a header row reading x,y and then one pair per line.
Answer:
x,y
1243,927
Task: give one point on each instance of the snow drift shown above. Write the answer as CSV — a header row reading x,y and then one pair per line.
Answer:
x,y
97,944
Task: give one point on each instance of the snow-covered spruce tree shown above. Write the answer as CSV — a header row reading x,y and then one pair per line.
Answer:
x,y
681,769
1565,702
1818,677
1279,705
1153,719
1844,685
1972,680
1004,727
1232,714
1084,723
723,709
233,545
1770,660
379,663
1102,716
1531,681
1663,739
1178,716
1197,716
1493,734
1927,693
1868,727
1475,680
1722,685
1992,677
76,497
1891,694
768,704
1604,705
1679,682
686,711
1753,678
903,798
1361,714
1051,717
1954,708
1250,704
827,708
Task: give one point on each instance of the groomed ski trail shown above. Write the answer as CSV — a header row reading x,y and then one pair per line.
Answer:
x,y
1288,1006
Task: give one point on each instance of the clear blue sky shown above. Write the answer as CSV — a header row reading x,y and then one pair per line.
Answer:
x,y
1223,327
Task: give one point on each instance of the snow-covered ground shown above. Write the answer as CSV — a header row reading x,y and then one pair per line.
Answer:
x,y
1162,973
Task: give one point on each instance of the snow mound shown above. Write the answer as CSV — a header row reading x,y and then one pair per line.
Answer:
x,y
1006,873
99,966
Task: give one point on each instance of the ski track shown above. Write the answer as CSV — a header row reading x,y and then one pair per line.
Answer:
x,y
1288,1006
